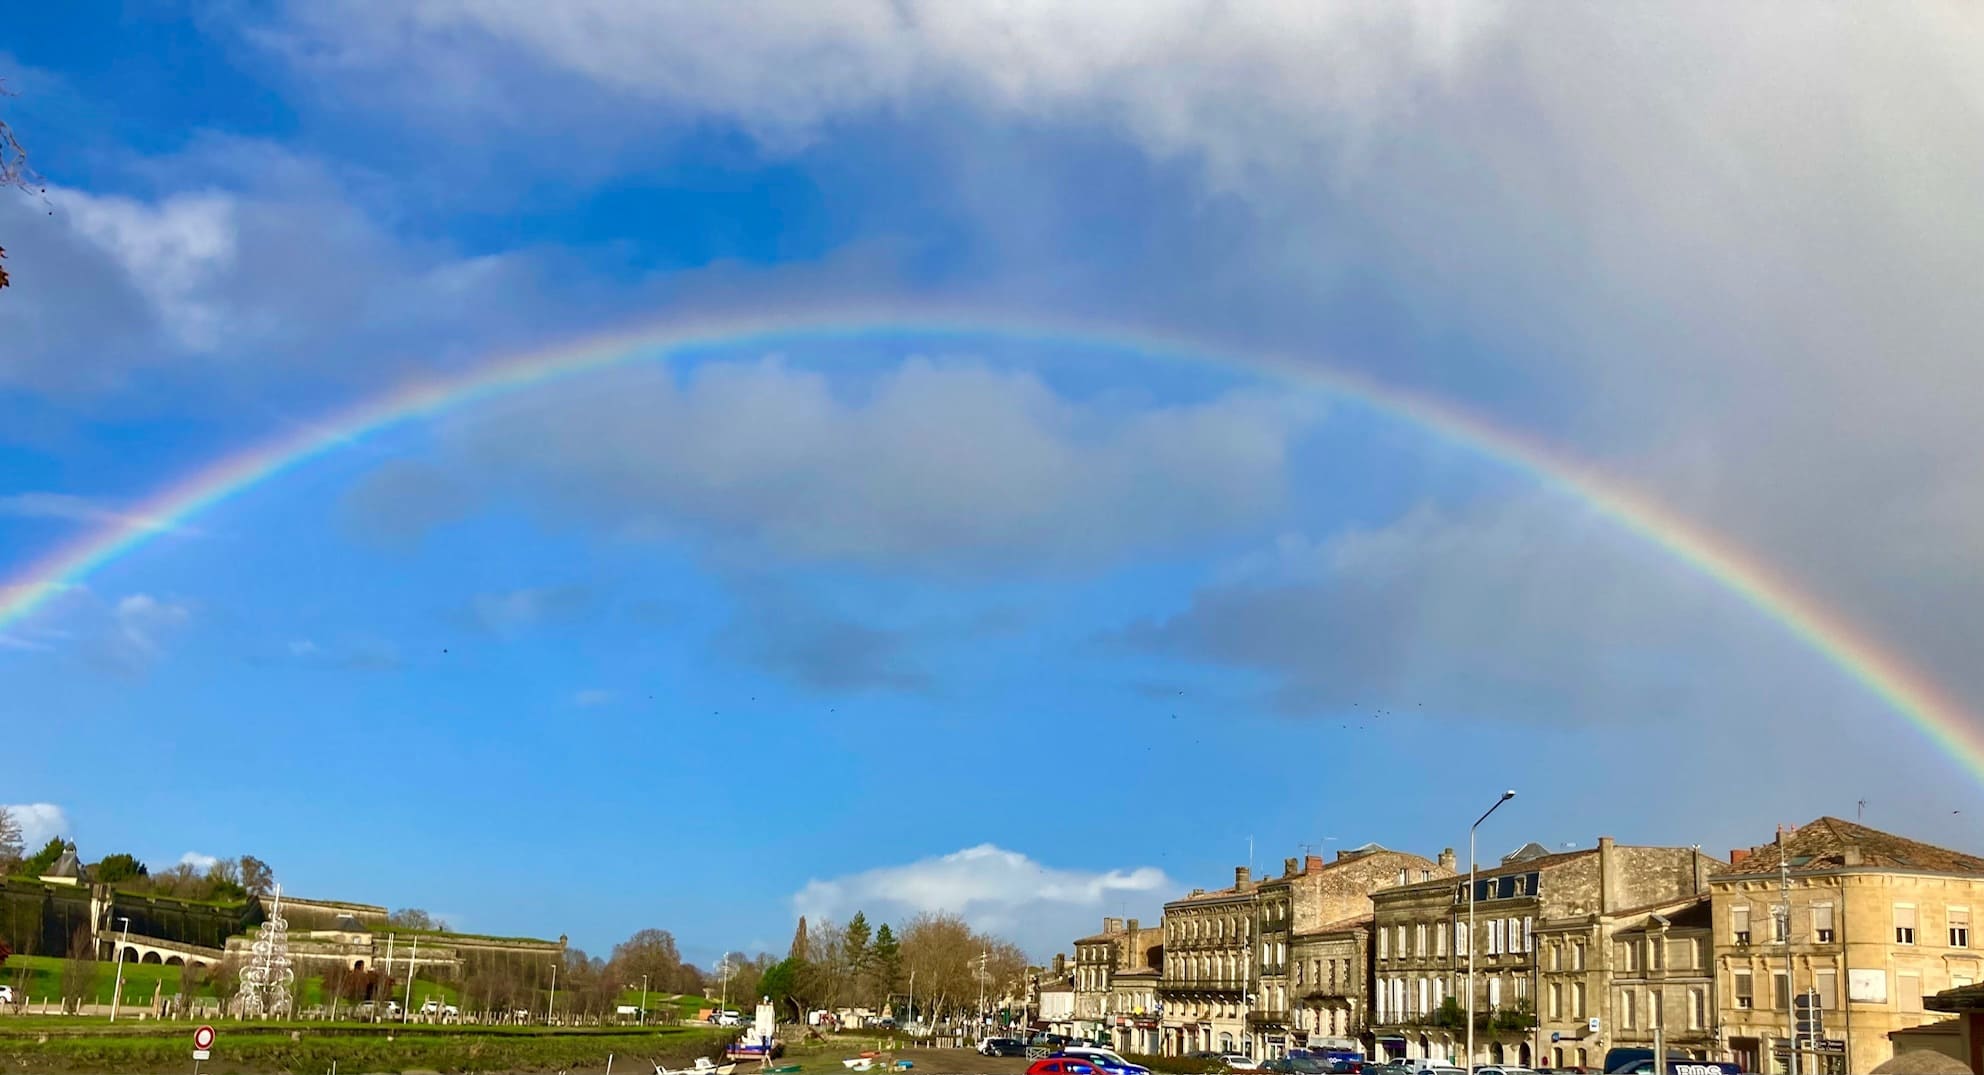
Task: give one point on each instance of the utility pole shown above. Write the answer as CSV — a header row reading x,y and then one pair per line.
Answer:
x,y
551,1006
1790,1005
388,979
411,969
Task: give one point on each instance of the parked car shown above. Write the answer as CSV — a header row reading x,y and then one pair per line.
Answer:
x,y
1108,1061
1239,1062
1002,1047
6,994
1502,1069
1051,1041
1061,1065
1297,1065
727,1018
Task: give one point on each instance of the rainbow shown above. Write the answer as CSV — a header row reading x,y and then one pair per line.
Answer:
x,y
1881,671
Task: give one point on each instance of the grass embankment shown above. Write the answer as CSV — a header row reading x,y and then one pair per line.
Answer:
x,y
54,1045
145,981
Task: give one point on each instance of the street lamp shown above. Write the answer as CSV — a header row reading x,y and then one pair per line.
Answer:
x,y
1471,942
550,1006
118,995
644,1000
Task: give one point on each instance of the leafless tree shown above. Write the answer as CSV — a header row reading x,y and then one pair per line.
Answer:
x,y
11,847
15,171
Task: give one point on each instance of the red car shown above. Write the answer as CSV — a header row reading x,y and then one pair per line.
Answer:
x,y
1062,1065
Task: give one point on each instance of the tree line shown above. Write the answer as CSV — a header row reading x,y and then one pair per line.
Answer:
x,y
232,880
938,968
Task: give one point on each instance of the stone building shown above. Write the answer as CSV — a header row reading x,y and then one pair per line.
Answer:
x,y
1121,946
1534,902
1207,936
1310,902
1662,977
1133,1009
1877,923
1328,982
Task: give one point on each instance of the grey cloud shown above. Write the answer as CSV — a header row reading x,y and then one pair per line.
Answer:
x,y
941,465
809,643
401,501
1523,611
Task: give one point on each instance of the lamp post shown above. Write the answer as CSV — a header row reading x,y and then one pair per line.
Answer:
x,y
1471,942
118,994
644,1000
551,1006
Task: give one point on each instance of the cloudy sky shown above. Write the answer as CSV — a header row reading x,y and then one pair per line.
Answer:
x,y
1027,626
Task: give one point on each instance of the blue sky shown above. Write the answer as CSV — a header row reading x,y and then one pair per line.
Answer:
x,y
1035,631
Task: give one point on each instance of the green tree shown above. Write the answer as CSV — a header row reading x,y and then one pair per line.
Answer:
x,y
43,860
784,983
118,868
857,954
886,958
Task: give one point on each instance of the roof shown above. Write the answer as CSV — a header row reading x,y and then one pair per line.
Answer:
x,y
1338,926
1964,998
1693,914
1923,1062
1483,873
1824,844
67,865
1528,852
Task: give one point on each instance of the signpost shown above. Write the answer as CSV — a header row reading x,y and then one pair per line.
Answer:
x,y
203,1044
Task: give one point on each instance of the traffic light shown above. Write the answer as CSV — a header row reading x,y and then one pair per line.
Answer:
x,y
1809,1018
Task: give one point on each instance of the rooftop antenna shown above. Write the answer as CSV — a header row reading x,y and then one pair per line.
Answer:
x,y
1250,854
1860,810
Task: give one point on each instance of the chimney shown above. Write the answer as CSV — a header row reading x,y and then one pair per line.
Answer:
x,y
1608,876
1133,925
1447,859
1060,963
1112,925
1288,867
1849,855
1312,864
1242,876
1737,855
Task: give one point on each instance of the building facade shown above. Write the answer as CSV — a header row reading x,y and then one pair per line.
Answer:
x,y
1122,946
1877,923
1133,1008
1328,980
1310,900
1540,920
1202,991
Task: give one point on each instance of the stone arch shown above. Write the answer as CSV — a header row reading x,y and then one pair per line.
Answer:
x,y
131,955
1494,1052
358,964
1522,1055
175,961
152,956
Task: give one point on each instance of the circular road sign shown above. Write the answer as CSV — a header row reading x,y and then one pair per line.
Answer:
x,y
203,1038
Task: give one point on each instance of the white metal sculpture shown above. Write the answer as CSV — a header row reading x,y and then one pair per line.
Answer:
x,y
268,982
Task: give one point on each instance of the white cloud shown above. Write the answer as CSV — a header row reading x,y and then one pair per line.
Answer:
x,y
171,251
303,647
198,861
510,612
140,619
40,823
81,509
949,463
1004,892
591,697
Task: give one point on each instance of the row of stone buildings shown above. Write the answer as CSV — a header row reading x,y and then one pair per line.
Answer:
x,y
1575,953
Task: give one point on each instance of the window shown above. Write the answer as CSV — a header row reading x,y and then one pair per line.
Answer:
x,y
1743,989
1556,957
1577,955
1400,940
1494,936
1556,1008
1384,942
1419,939
1299,982
1577,1000
1460,938
1629,956
1424,996
1495,992
1656,1016
1778,924
1697,1009
1627,1020
1909,988
1528,934
1739,923
1780,991
1904,923
1826,982
1822,923
1959,927
1439,942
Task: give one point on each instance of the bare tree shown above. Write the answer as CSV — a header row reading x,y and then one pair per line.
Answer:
x,y
79,971
11,847
15,170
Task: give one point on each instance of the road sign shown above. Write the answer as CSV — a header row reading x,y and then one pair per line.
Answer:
x,y
203,1038
203,1054
1556,1036
1592,1024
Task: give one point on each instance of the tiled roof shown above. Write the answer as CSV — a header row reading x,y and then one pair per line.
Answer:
x,y
1823,845
1483,873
